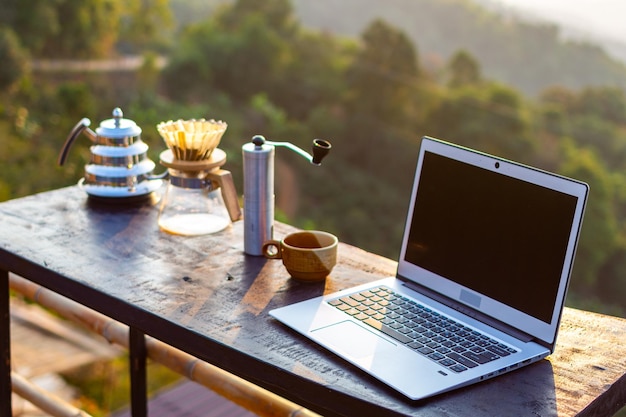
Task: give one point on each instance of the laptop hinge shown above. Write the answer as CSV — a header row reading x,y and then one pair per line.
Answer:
x,y
462,308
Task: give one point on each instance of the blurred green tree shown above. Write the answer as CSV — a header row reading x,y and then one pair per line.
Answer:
x,y
146,23
593,117
600,233
235,53
555,104
278,15
490,117
464,69
383,75
33,21
65,28
313,74
76,100
86,28
608,103
13,57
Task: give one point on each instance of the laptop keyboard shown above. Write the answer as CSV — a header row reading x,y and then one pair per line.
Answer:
x,y
435,336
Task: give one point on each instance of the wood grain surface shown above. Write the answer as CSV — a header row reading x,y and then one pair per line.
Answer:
x,y
204,296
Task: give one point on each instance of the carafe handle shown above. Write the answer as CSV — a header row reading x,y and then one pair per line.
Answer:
x,y
229,193
77,130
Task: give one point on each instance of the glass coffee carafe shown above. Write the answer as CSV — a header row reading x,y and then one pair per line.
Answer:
x,y
200,197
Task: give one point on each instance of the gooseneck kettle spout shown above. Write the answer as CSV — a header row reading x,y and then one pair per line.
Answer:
x,y
258,187
80,127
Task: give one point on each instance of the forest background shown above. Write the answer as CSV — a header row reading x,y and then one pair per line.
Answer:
x,y
372,79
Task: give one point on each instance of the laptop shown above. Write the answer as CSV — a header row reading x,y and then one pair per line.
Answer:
x,y
485,261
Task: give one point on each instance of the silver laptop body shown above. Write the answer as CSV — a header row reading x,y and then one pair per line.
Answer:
x,y
487,253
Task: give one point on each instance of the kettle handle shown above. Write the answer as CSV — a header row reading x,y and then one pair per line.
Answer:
x,y
77,130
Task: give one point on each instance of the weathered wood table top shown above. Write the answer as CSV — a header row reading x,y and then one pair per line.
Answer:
x,y
204,296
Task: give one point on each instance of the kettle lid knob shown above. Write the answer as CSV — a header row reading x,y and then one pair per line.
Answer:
x,y
117,115
118,127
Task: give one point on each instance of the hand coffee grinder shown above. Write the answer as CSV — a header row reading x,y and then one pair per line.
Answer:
x,y
200,197
258,187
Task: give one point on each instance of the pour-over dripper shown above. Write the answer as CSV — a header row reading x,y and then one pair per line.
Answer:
x,y
192,140
200,197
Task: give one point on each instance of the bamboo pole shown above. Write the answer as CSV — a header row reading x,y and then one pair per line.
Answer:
x,y
42,399
247,395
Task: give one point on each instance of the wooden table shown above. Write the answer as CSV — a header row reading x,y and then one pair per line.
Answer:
x,y
205,297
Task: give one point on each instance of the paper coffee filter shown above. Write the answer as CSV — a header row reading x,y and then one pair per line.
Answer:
x,y
192,140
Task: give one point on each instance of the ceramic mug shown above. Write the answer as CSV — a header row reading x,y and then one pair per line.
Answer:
x,y
307,255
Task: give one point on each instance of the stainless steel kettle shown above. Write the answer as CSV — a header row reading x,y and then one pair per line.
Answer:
x,y
119,167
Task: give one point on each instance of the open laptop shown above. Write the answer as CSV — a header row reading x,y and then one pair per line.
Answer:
x,y
484,266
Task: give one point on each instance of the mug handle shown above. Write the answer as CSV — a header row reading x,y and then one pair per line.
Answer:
x,y
271,254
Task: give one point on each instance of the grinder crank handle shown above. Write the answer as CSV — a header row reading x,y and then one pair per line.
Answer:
x,y
320,149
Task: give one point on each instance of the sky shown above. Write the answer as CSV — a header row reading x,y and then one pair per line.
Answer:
x,y
602,17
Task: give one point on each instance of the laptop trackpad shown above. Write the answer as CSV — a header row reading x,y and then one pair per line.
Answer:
x,y
352,339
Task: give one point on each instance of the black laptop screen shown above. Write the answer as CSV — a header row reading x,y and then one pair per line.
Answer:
x,y
497,235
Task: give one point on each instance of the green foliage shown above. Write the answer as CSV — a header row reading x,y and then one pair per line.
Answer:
x,y
593,118
241,59
76,100
383,74
598,239
105,385
489,117
278,15
253,65
608,103
33,21
13,58
464,70
186,12
315,63
85,29
146,23
530,57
